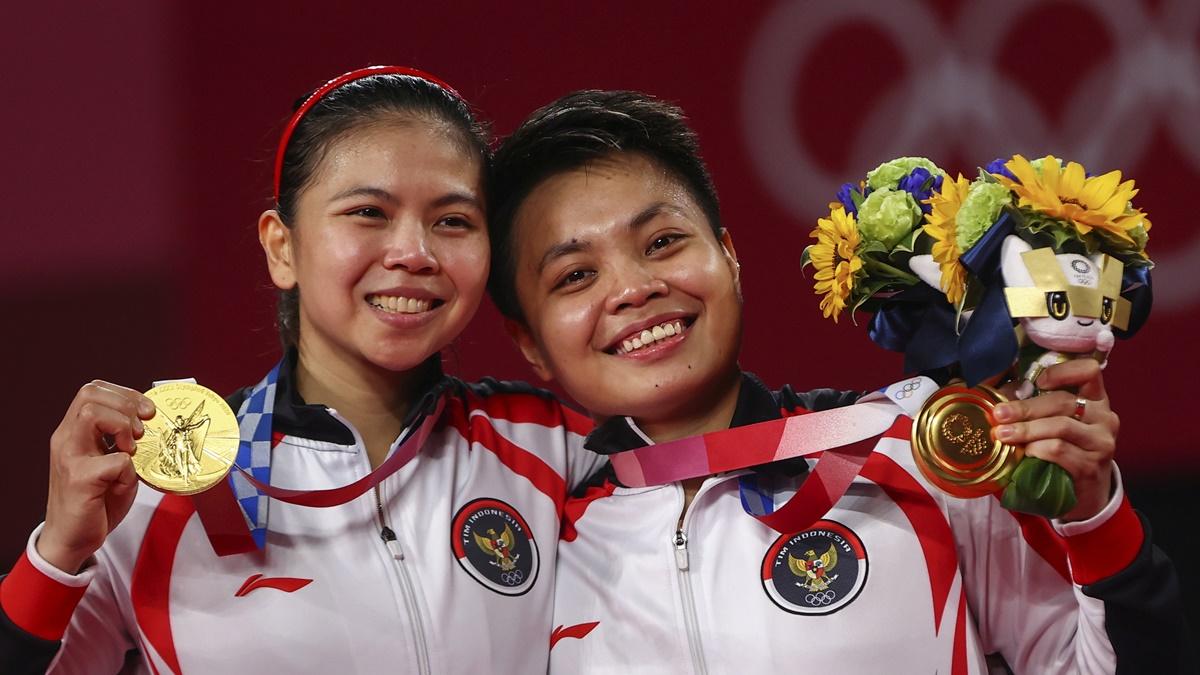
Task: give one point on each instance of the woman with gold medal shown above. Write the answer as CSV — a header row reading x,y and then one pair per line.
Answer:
x,y
379,245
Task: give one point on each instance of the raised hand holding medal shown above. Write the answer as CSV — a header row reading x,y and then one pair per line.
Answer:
x,y
111,436
1026,274
92,478
1070,425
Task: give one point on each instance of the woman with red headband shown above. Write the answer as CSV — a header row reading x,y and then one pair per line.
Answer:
x,y
436,550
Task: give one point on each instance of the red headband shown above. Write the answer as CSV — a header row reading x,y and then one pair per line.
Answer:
x,y
329,86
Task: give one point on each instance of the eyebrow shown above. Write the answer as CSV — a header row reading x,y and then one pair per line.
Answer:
x,y
364,191
653,211
575,245
447,199
561,249
451,198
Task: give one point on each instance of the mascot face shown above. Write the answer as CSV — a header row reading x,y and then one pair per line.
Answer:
x,y
1066,302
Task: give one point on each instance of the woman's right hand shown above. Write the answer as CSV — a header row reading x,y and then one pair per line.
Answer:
x,y
92,481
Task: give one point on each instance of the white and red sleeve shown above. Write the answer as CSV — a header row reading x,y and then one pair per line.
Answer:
x,y
1030,585
40,598
59,622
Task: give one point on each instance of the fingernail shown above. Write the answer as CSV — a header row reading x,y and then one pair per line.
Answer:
x,y
138,426
1005,432
146,406
1004,412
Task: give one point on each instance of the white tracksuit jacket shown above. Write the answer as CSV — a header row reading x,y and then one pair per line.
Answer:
x,y
466,587
898,578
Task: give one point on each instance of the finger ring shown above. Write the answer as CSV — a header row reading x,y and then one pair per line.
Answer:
x,y
109,442
1080,408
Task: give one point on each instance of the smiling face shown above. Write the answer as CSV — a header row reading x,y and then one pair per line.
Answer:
x,y
631,302
389,246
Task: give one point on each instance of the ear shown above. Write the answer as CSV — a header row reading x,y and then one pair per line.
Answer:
x,y
1016,275
726,240
276,239
524,340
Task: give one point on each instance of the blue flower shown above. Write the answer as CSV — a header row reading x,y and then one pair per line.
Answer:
x,y
921,184
843,196
997,166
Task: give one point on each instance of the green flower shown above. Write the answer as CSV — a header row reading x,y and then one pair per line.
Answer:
x,y
1140,236
887,216
889,174
979,211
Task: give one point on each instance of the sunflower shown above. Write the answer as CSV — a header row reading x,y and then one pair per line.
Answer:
x,y
835,257
941,225
1067,194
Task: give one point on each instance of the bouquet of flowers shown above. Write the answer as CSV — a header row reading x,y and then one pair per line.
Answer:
x,y
909,228
863,247
1029,264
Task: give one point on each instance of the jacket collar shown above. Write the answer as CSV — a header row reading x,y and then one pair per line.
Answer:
x,y
293,416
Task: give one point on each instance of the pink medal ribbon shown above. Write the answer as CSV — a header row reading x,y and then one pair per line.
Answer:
x,y
225,522
338,496
845,435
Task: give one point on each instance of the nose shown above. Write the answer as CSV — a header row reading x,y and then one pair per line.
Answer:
x,y
408,247
634,286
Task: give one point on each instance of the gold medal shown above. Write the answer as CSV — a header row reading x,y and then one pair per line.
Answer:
x,y
191,441
953,445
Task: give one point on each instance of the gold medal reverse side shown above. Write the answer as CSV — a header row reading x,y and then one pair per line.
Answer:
x,y
190,443
953,445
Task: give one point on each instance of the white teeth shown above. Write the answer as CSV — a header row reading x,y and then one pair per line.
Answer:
x,y
650,335
399,304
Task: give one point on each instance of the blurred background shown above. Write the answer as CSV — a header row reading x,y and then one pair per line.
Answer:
x,y
138,139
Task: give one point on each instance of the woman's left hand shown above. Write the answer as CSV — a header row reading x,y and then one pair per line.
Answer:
x,y
1054,427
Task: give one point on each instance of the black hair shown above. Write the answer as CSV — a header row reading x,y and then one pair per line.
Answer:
x,y
576,130
353,105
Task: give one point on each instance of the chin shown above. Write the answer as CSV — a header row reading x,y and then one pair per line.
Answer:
x,y
400,359
662,402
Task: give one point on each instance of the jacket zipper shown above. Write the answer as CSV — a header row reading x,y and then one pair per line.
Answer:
x,y
406,586
680,543
397,553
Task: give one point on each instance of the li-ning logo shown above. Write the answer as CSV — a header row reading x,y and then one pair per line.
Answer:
x,y
494,544
257,581
578,632
817,571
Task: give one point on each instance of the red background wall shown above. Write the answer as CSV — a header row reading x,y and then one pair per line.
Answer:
x,y
138,138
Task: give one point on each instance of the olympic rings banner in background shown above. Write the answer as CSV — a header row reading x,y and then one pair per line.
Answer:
x,y
959,99
138,148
